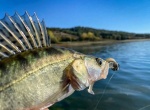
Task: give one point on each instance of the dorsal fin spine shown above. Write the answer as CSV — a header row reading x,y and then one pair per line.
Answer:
x,y
28,30
37,36
3,54
19,41
10,51
21,33
45,32
42,32
9,42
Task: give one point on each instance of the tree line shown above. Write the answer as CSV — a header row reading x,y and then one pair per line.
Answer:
x,y
90,34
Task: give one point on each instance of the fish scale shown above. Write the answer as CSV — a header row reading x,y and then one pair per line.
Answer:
x,y
33,74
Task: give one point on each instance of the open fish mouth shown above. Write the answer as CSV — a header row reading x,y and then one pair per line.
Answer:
x,y
116,67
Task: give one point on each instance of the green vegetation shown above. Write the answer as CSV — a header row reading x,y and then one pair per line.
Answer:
x,y
53,38
90,34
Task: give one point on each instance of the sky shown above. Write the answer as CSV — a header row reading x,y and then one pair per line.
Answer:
x,y
118,15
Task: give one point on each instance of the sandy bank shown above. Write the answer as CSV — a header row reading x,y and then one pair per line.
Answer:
x,y
103,42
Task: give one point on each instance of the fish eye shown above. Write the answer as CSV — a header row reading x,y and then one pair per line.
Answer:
x,y
99,61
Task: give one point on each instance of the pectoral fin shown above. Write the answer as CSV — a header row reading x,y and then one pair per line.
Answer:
x,y
90,89
70,91
70,77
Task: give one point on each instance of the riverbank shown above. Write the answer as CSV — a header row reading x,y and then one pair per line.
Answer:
x,y
88,43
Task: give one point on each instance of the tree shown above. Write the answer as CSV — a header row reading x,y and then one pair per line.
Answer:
x,y
52,37
90,35
84,36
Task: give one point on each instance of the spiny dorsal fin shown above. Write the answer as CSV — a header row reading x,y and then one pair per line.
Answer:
x,y
21,33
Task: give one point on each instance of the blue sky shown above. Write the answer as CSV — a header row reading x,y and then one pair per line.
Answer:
x,y
120,15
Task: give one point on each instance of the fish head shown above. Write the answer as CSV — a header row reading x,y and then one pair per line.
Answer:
x,y
85,70
98,68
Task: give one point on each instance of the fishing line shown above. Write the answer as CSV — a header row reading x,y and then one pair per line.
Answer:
x,y
144,107
103,92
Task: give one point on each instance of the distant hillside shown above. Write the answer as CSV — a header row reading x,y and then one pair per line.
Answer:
x,y
90,34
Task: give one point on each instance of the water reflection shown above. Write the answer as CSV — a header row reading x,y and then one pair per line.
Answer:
x,y
130,87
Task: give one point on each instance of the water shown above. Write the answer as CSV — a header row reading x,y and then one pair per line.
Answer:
x,y
129,89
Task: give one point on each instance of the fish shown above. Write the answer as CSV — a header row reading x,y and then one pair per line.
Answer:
x,y
34,75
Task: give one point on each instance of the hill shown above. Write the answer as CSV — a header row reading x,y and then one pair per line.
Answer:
x,y
90,34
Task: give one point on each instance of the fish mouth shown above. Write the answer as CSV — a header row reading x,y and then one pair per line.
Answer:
x,y
115,67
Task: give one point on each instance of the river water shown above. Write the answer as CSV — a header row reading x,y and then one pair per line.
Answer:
x,y
129,89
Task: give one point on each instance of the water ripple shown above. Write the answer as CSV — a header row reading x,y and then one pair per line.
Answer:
x,y
129,89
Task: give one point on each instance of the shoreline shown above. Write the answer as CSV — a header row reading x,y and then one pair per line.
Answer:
x,y
89,43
